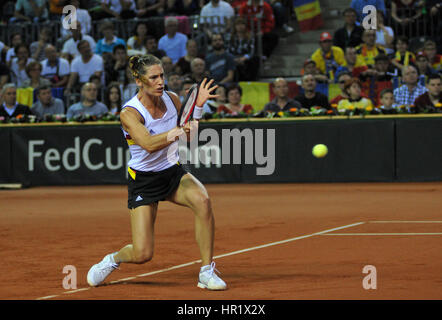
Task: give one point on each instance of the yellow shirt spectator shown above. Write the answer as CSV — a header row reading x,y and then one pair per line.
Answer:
x,y
362,103
368,54
335,55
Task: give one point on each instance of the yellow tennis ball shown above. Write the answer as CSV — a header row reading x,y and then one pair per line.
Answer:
x,y
320,150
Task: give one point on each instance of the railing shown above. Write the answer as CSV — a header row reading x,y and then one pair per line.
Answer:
x,y
425,26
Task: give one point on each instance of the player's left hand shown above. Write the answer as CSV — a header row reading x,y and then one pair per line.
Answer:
x,y
191,129
205,92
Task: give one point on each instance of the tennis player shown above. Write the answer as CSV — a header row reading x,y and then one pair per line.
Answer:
x,y
149,123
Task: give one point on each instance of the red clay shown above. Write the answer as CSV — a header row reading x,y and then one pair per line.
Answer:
x,y
44,229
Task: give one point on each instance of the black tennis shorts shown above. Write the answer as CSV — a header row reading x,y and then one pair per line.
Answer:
x,y
150,187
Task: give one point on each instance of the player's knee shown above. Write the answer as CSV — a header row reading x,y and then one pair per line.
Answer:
x,y
200,200
143,256
202,203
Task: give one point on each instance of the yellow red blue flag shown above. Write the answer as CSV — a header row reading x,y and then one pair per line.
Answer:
x,y
308,14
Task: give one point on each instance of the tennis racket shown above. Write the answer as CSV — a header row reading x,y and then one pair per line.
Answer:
x,y
188,106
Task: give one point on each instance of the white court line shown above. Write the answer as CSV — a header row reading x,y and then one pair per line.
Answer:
x,y
215,257
384,234
398,221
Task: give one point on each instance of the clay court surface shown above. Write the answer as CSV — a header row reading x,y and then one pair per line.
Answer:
x,y
332,232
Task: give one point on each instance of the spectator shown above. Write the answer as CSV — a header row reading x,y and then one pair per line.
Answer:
x,y
88,104
310,68
97,81
368,50
220,63
384,34
129,88
167,67
33,70
83,17
173,42
311,98
10,108
54,68
37,48
382,68
198,70
186,85
359,5
216,17
387,99
30,11
234,105
16,39
116,68
434,15
56,8
431,52
281,13
328,57
119,9
432,97
19,63
342,78
242,47
150,8
353,89
183,7
402,57
350,35
183,64
253,10
70,47
46,103
423,66
3,51
112,98
84,66
174,82
354,64
281,102
407,93
152,47
406,14
4,74
107,44
136,43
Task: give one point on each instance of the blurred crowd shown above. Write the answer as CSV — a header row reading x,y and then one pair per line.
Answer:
x,y
387,66
84,69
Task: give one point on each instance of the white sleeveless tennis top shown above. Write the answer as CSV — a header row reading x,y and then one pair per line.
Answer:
x,y
142,160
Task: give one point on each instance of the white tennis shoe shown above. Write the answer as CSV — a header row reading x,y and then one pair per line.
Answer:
x,y
209,280
100,271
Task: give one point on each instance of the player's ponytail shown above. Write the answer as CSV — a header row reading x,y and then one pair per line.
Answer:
x,y
138,64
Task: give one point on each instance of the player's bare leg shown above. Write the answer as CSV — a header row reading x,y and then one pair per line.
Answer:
x,y
192,194
142,247
139,251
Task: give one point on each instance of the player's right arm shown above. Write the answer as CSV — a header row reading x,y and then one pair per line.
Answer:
x,y
132,123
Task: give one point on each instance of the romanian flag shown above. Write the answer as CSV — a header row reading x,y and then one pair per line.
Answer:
x,y
308,13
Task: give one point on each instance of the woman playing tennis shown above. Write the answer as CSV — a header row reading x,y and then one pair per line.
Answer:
x,y
149,123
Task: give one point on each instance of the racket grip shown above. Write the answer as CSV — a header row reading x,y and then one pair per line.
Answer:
x,y
198,112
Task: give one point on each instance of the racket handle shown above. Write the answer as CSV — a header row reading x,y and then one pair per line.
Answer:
x,y
198,112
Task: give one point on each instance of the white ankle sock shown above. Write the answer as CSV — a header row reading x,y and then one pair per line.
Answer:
x,y
205,268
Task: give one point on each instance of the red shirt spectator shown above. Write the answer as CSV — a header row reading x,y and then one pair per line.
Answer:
x,y
261,8
246,108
